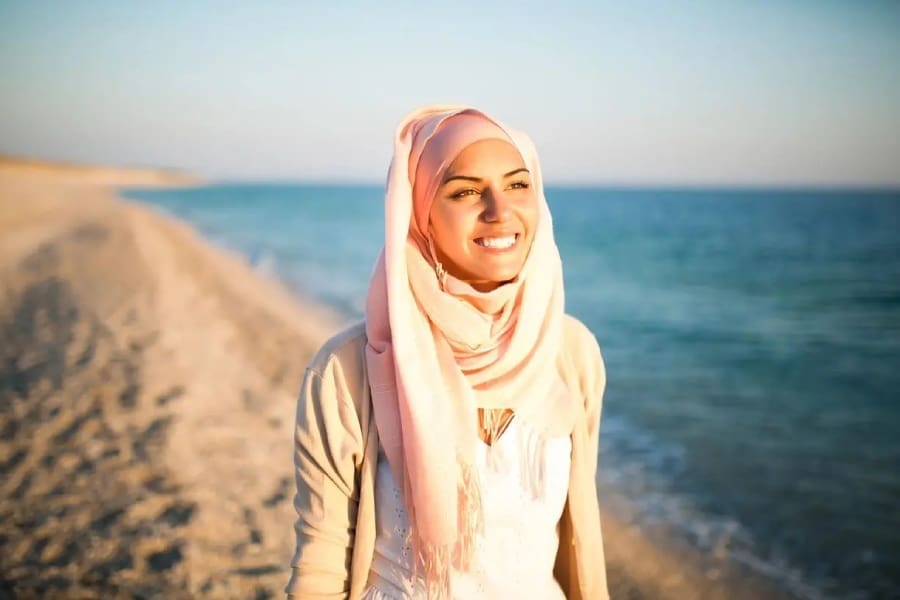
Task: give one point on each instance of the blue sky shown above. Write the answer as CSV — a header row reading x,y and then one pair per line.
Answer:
x,y
645,93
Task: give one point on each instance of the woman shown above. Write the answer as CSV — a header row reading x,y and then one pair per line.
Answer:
x,y
446,448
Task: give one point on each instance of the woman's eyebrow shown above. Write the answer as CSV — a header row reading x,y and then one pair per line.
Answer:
x,y
463,177
478,179
514,171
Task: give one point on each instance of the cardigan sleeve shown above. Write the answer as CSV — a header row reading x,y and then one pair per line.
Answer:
x,y
328,448
580,566
582,354
594,373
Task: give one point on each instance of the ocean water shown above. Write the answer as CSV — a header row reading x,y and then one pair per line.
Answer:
x,y
752,344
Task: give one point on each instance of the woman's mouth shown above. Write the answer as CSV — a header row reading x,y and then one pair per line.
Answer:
x,y
504,242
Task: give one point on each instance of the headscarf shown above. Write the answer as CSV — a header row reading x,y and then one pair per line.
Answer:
x,y
438,350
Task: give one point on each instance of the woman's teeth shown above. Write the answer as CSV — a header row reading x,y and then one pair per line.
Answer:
x,y
498,243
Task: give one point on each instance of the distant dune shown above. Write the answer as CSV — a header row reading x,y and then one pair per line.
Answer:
x,y
147,392
94,175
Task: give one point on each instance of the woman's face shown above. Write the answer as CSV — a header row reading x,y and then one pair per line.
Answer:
x,y
484,215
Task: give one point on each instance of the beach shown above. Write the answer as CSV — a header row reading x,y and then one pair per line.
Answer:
x,y
147,395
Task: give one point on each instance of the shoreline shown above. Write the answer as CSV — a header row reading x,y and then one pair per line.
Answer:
x,y
158,373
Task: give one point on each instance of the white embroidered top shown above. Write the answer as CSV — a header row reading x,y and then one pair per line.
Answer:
x,y
515,552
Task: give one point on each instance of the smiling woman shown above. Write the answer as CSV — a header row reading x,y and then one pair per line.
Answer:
x,y
483,218
447,446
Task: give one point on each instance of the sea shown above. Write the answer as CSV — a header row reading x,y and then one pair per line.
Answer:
x,y
751,340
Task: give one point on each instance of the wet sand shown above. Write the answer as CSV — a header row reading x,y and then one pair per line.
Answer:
x,y
147,392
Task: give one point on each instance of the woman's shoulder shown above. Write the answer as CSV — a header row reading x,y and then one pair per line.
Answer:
x,y
577,338
579,345
580,359
346,348
580,356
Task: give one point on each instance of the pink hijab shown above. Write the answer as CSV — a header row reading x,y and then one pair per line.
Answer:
x,y
438,349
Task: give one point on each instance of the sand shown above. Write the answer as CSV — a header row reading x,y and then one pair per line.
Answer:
x,y
147,391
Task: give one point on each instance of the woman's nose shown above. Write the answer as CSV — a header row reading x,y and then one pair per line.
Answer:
x,y
497,207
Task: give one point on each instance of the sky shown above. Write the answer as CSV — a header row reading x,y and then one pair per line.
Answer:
x,y
718,92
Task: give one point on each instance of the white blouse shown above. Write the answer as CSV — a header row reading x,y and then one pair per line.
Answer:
x,y
516,551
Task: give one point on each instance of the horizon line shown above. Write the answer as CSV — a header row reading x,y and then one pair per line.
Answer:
x,y
590,184
612,184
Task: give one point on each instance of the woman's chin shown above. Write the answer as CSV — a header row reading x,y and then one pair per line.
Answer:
x,y
494,278
488,273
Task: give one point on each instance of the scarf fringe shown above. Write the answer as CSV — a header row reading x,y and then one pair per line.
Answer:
x,y
435,562
470,516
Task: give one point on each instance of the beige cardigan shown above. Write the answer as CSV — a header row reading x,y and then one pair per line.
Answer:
x,y
336,454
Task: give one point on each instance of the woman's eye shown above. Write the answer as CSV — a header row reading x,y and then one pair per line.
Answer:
x,y
520,185
465,192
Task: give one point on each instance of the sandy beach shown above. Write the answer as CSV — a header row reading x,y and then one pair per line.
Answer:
x,y
147,396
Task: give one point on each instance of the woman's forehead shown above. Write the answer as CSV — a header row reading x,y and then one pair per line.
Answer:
x,y
487,155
